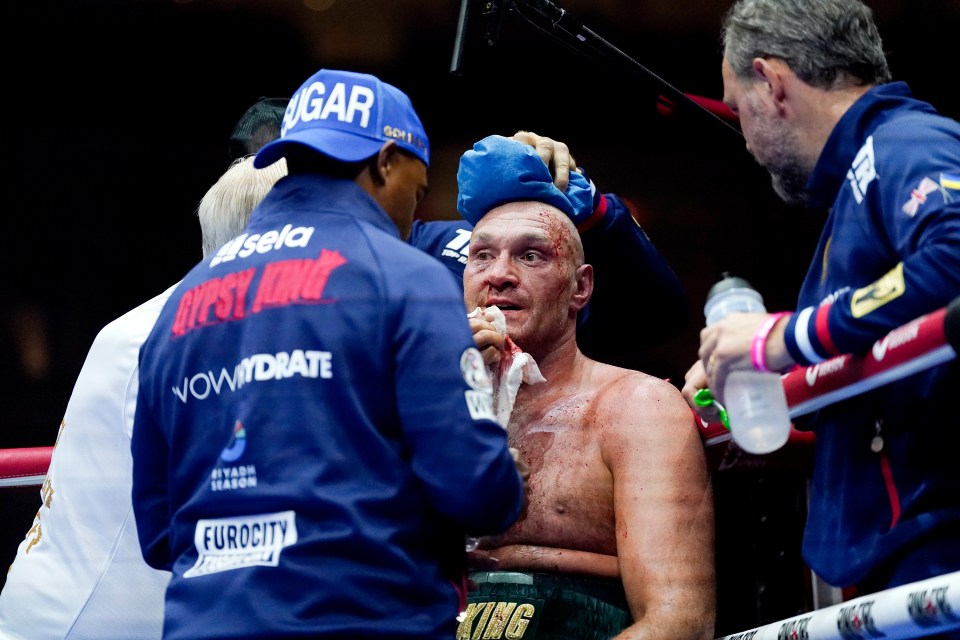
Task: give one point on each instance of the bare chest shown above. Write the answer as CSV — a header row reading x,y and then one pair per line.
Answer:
x,y
570,487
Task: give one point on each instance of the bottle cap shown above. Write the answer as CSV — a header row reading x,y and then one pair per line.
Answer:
x,y
731,294
727,283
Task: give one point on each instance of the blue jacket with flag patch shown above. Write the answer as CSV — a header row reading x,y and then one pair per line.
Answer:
x,y
889,253
314,434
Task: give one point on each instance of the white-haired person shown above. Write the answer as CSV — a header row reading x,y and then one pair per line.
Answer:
x,y
78,572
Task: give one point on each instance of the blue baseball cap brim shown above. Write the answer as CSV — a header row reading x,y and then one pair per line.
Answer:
x,y
340,145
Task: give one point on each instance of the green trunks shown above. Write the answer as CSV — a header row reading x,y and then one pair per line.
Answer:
x,y
543,606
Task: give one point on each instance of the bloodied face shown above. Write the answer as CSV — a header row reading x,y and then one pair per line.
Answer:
x,y
527,259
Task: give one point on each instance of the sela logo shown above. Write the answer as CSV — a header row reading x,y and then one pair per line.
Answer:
x,y
248,244
313,103
749,635
825,368
896,338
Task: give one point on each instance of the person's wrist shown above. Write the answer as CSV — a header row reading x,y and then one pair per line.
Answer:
x,y
599,209
758,346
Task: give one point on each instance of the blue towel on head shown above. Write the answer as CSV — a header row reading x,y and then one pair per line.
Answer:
x,y
499,170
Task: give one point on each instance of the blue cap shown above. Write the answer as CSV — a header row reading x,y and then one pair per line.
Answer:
x,y
347,116
500,170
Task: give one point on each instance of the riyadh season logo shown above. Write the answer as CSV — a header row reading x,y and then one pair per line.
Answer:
x,y
232,477
237,444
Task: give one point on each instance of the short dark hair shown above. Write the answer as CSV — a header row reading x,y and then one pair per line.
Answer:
x,y
258,125
304,159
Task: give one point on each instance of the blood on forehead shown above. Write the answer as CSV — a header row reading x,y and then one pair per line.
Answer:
x,y
562,232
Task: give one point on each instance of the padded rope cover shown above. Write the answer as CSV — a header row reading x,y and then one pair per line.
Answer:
x,y
543,606
24,467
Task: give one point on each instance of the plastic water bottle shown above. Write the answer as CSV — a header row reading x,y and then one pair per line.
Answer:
x,y
755,401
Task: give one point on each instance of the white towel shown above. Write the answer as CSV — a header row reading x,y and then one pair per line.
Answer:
x,y
514,368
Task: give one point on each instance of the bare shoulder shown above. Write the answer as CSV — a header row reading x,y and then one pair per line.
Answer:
x,y
644,408
617,384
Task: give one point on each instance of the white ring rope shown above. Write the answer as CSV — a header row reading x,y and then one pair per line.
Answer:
x,y
911,610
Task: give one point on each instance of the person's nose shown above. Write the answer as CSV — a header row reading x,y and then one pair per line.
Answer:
x,y
502,272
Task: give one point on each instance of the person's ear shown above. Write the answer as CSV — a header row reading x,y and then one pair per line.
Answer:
x,y
382,163
772,73
583,287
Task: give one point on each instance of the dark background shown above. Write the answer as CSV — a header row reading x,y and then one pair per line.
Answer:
x,y
118,115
